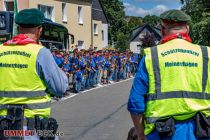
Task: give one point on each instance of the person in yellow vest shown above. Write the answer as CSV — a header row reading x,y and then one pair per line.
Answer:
x,y
170,96
28,78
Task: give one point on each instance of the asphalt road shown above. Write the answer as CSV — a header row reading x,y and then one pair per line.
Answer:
x,y
99,114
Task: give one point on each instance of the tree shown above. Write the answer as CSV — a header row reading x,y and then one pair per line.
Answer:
x,y
148,40
134,22
114,10
122,41
151,20
199,10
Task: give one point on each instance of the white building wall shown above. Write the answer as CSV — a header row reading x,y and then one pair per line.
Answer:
x,y
133,47
105,41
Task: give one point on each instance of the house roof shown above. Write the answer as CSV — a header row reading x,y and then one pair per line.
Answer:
x,y
98,12
136,31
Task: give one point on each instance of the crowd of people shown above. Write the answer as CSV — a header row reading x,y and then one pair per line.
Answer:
x,y
86,69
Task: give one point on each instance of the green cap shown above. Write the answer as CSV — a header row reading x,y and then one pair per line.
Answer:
x,y
29,18
175,16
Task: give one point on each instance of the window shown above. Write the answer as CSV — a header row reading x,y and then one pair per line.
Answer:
x,y
156,42
95,48
64,16
47,10
142,35
80,15
102,33
95,27
2,22
80,45
9,5
138,48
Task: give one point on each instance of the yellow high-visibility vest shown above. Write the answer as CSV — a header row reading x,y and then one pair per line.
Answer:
x,y
179,86
19,81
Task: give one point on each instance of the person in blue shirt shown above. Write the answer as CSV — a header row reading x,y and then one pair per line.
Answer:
x,y
82,63
88,70
44,69
123,67
137,104
119,65
93,70
132,64
106,66
66,66
58,57
128,67
120,70
111,67
55,79
74,66
79,78
97,67
115,62
100,64
184,130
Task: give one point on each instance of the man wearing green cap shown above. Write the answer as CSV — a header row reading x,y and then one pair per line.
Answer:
x,y
170,96
29,76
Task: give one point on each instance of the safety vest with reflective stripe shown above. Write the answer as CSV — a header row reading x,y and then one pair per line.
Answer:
x,y
179,86
19,81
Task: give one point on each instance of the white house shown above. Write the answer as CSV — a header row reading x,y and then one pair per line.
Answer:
x,y
139,33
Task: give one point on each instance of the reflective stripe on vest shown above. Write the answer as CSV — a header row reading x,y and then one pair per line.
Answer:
x,y
176,94
156,69
23,85
22,94
178,81
30,106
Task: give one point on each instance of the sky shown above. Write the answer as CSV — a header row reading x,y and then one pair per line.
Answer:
x,y
149,7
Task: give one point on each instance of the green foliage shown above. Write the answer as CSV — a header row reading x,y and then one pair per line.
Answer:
x,y
199,10
122,43
151,20
116,16
134,22
200,33
148,40
120,25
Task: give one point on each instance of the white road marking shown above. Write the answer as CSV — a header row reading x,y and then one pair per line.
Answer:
x,y
71,96
65,98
